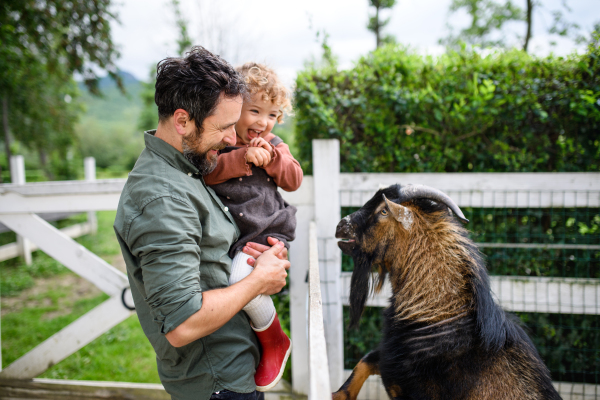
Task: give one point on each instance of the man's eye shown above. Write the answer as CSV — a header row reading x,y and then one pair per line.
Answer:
x,y
384,212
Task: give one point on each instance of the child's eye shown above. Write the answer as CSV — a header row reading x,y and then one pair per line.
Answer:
x,y
273,116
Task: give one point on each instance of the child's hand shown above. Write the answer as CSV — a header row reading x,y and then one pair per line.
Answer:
x,y
260,142
258,156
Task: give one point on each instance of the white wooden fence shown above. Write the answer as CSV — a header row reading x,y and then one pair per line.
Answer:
x,y
484,190
23,247
320,198
19,205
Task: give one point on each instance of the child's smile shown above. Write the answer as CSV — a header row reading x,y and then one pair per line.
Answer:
x,y
254,133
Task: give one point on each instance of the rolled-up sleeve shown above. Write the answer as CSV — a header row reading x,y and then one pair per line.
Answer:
x,y
166,237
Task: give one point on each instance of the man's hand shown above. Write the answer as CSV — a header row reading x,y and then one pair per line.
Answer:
x,y
255,250
258,156
271,270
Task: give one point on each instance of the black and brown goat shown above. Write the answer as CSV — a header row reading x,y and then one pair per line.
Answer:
x,y
444,337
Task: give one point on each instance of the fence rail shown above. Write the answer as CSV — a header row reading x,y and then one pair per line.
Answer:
x,y
527,193
519,293
320,199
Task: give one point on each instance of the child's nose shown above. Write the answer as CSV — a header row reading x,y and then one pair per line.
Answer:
x,y
262,122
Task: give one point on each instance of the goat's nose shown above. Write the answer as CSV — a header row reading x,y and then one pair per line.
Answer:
x,y
343,229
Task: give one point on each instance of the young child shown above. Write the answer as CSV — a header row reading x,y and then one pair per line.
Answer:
x,y
246,180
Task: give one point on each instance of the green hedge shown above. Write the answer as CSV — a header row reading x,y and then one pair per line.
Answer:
x,y
466,111
397,111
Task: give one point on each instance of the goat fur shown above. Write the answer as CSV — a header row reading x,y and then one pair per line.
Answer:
x,y
444,337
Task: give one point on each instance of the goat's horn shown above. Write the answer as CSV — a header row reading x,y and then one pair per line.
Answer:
x,y
410,192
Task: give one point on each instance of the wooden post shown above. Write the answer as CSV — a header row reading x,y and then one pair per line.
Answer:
x,y
89,164
326,175
303,199
318,365
17,177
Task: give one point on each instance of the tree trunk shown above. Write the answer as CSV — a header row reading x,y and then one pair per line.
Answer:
x,y
44,162
529,17
377,28
6,131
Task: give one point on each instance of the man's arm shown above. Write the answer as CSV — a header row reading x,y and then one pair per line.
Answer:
x,y
220,305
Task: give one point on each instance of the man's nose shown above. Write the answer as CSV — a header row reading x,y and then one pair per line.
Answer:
x,y
229,137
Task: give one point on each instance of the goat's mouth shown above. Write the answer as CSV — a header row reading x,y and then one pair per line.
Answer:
x,y
346,245
346,233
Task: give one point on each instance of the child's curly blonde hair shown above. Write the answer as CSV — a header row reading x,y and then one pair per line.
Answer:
x,y
261,78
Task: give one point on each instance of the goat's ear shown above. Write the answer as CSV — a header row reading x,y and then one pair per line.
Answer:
x,y
401,213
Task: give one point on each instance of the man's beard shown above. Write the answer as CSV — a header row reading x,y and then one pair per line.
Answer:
x,y
205,164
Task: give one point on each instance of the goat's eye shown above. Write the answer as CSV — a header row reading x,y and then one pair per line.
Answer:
x,y
384,211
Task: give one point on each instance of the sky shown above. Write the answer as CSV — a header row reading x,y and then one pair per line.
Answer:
x,y
283,33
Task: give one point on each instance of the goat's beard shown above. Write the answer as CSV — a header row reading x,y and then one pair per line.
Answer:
x,y
360,287
200,159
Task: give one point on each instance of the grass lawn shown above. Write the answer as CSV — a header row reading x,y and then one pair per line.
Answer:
x,y
40,299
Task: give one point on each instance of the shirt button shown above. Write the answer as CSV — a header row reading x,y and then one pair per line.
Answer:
x,y
228,198
226,209
240,179
241,214
189,174
268,179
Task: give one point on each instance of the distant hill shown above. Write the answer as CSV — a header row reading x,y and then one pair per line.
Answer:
x,y
107,82
108,129
112,105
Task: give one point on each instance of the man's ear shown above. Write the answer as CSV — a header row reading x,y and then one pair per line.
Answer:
x,y
181,119
401,213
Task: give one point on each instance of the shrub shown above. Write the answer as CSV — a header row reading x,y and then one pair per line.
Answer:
x,y
396,111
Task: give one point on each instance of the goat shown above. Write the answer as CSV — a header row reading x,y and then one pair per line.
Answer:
x,y
444,337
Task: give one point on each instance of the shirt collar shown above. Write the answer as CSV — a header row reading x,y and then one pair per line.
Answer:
x,y
170,154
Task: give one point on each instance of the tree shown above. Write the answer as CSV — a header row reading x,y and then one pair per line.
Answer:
x,y
149,115
376,24
489,17
184,42
42,44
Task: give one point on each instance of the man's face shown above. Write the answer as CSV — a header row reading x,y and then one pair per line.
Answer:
x,y
200,147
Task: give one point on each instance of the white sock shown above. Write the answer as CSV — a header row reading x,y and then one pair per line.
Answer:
x,y
261,308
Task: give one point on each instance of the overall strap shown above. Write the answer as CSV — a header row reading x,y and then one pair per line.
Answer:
x,y
276,140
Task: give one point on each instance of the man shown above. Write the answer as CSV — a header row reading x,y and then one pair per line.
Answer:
x,y
175,235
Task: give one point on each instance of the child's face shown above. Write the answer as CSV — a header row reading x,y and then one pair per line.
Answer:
x,y
257,119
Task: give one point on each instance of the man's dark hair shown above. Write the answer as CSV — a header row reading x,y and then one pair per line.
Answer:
x,y
194,83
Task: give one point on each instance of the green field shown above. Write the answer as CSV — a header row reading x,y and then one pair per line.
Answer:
x,y
41,299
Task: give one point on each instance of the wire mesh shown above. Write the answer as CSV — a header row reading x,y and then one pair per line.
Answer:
x,y
543,238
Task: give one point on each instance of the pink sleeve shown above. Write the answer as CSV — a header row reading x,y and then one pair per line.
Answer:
x,y
230,165
284,169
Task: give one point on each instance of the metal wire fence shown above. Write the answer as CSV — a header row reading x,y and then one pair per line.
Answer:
x,y
543,252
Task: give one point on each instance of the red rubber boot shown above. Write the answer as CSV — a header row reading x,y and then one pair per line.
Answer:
x,y
276,348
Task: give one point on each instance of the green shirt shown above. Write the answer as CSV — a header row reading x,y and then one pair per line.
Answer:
x,y
175,233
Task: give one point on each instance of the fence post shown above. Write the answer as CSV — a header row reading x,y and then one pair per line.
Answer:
x,y
17,177
326,175
89,164
304,201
